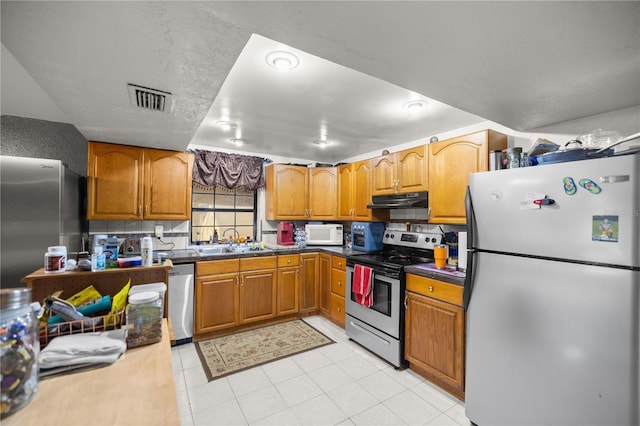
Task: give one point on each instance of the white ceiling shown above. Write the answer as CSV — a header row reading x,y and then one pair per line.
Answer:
x,y
524,65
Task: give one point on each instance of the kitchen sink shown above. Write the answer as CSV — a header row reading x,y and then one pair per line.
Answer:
x,y
214,249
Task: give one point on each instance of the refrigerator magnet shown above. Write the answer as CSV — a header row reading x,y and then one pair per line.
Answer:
x,y
590,186
569,185
605,228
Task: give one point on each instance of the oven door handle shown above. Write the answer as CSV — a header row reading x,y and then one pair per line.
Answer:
x,y
386,342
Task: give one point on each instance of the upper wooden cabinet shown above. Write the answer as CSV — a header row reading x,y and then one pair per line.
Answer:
x,y
131,183
322,202
300,193
354,193
450,163
400,172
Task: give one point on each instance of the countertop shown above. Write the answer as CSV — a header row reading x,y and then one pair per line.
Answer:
x,y
448,275
191,255
138,389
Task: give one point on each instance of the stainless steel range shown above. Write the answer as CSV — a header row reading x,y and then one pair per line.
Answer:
x,y
380,327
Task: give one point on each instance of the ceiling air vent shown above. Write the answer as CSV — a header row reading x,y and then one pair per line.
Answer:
x,y
150,99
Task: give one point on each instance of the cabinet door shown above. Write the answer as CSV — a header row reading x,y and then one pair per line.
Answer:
x,y
321,198
167,194
384,175
434,341
257,295
286,192
309,272
325,283
114,182
412,169
337,309
450,163
288,290
216,305
361,190
345,192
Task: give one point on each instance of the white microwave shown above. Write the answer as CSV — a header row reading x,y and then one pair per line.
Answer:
x,y
326,234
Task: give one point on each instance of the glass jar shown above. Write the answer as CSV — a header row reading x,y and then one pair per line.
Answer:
x,y
144,319
513,157
19,348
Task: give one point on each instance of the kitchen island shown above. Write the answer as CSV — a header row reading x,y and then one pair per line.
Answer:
x,y
138,389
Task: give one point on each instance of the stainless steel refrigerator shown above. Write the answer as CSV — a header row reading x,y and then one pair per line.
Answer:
x,y
42,205
553,294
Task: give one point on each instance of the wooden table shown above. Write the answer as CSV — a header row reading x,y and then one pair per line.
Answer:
x,y
138,389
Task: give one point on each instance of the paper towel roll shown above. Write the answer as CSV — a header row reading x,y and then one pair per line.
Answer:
x,y
462,251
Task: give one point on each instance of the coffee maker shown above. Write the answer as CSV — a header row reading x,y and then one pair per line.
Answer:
x,y
285,234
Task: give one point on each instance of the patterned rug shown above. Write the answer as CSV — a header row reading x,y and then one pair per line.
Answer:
x,y
229,354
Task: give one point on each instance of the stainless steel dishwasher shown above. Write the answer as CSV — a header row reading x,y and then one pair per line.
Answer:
x,y
181,302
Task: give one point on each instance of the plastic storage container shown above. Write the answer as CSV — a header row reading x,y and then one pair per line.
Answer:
x,y
55,259
144,319
19,347
160,288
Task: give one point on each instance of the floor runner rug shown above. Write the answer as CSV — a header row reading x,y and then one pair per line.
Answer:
x,y
229,354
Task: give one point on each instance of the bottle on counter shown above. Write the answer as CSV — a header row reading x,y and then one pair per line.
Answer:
x,y
98,259
215,237
146,247
19,346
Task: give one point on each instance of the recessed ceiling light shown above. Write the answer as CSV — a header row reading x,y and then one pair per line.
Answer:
x,y
225,125
414,106
238,142
282,61
321,143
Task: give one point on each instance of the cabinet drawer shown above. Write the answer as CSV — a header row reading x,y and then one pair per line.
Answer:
x,y
446,292
338,281
211,267
338,262
337,309
288,260
255,263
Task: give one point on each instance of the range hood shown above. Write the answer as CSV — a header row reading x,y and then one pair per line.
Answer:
x,y
409,200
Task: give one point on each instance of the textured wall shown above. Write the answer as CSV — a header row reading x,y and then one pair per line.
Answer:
x,y
28,137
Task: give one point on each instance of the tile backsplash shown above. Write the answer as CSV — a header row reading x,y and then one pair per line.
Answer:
x,y
175,232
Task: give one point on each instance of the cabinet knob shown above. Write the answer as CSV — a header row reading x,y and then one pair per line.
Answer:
x,y
339,310
430,288
339,283
340,264
289,261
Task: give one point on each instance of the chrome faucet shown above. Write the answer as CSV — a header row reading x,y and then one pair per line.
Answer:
x,y
237,234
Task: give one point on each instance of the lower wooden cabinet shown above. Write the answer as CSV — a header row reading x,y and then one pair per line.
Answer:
x,y
338,284
434,333
257,299
288,285
325,284
309,285
233,292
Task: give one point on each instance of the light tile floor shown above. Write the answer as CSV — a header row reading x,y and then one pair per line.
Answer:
x,y
338,384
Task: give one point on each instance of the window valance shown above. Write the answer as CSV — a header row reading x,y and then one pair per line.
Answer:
x,y
231,171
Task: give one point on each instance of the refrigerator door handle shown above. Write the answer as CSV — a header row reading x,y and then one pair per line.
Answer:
x,y
471,243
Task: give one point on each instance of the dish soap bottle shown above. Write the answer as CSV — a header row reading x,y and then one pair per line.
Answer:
x,y
147,251
215,236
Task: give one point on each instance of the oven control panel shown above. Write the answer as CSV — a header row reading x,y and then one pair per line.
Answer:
x,y
418,240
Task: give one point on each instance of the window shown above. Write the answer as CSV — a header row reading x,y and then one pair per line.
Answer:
x,y
220,209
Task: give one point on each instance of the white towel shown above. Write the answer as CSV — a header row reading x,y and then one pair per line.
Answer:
x,y
99,347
